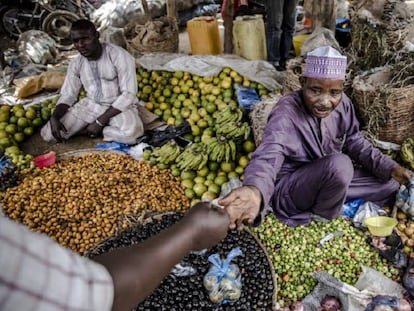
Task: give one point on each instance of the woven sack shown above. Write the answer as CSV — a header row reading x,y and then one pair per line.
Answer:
x,y
387,112
294,71
155,35
260,114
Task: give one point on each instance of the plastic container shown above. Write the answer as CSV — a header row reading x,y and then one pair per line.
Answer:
x,y
204,36
298,42
380,225
45,160
249,37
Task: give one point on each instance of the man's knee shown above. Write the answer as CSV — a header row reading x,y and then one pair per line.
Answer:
x,y
339,166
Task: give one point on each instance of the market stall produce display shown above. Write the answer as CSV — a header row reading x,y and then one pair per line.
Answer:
x,y
297,252
79,201
220,130
187,292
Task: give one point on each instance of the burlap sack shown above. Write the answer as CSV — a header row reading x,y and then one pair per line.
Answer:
x,y
49,80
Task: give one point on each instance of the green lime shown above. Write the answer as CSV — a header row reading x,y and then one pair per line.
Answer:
x,y
22,122
199,189
30,113
11,128
189,193
19,113
4,116
18,137
28,131
13,120
187,183
37,122
5,142
188,175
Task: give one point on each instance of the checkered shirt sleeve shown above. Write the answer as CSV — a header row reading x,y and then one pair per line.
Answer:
x,y
36,273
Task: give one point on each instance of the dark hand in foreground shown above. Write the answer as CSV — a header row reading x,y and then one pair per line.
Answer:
x,y
208,223
243,206
137,270
401,174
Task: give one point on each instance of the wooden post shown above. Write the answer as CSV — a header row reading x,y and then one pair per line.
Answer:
x,y
172,8
322,13
228,27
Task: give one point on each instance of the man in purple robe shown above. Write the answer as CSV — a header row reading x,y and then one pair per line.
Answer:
x,y
305,163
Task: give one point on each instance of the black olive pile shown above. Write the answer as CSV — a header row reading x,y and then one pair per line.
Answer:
x,y
8,174
187,292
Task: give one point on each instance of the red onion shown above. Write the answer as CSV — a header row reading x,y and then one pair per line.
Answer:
x,y
330,303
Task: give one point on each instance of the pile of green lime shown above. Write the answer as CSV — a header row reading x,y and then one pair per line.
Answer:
x,y
17,123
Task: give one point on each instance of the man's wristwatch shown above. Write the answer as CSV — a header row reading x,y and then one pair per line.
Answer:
x,y
99,123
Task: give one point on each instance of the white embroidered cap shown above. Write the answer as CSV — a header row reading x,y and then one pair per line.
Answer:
x,y
325,63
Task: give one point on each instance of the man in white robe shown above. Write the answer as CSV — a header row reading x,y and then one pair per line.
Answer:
x,y
107,74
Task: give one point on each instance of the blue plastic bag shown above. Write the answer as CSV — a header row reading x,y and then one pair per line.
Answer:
x,y
114,146
247,97
223,279
351,207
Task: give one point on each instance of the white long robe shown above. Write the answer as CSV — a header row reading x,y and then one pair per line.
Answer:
x,y
108,81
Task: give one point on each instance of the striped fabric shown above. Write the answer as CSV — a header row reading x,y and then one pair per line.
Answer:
x,y
38,274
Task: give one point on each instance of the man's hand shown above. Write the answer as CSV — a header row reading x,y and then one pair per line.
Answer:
x,y
243,206
56,127
93,129
401,174
208,223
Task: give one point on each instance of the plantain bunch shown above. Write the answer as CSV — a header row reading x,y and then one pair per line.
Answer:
x,y
220,148
167,153
229,114
194,157
234,130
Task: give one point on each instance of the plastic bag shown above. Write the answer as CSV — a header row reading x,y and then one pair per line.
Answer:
x,y
384,302
247,97
405,199
223,279
157,138
182,270
137,152
114,146
351,207
368,209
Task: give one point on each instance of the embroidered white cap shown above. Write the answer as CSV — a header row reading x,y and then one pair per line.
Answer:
x,y
325,63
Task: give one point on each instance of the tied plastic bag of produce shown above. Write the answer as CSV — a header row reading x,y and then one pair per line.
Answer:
x,y
223,279
405,199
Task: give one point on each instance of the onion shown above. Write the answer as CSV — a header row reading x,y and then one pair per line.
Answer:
x,y
330,303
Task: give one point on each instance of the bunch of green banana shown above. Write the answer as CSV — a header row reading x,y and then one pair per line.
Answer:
x,y
194,157
234,130
220,148
407,151
167,153
229,114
